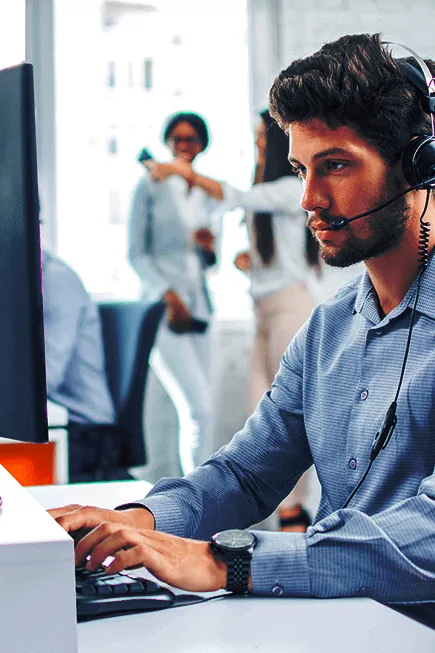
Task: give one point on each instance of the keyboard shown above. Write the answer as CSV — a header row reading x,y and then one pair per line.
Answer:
x,y
99,594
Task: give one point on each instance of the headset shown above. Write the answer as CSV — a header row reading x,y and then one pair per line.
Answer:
x,y
418,160
418,157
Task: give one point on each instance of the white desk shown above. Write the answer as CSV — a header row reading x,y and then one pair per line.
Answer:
x,y
239,625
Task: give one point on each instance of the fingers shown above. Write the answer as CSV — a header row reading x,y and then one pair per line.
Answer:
x,y
183,563
80,517
93,544
56,512
129,548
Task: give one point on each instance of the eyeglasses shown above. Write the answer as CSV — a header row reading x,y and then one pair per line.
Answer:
x,y
190,140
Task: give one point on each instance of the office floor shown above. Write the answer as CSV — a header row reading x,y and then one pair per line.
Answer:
x,y
230,374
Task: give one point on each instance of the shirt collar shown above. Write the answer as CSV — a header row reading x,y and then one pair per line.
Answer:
x,y
366,302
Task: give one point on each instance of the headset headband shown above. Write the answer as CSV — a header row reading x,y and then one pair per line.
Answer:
x,y
428,90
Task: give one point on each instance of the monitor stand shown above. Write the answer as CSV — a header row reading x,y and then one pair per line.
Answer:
x,y
37,589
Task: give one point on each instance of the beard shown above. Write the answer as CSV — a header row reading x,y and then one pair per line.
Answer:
x,y
385,231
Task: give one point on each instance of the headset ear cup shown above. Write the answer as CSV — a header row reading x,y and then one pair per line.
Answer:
x,y
418,161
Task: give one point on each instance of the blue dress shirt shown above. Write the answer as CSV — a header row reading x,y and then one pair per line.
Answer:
x,y
76,377
329,398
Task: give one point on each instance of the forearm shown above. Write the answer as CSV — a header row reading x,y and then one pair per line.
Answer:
x,y
154,283
387,556
281,197
212,187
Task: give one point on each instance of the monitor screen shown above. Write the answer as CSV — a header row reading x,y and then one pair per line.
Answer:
x,y
23,404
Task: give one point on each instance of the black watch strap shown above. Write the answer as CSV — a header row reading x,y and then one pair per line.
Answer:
x,y
238,571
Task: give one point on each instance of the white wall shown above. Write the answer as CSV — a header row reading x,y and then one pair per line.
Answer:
x,y
288,29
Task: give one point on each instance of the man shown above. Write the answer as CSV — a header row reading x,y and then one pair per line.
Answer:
x,y
350,112
75,369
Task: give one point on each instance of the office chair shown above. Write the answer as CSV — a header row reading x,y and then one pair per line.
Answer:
x,y
102,452
129,330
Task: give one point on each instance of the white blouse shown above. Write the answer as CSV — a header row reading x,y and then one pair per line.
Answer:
x,y
282,199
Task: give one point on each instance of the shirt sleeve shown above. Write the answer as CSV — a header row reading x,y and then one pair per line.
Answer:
x,y
63,302
282,195
141,260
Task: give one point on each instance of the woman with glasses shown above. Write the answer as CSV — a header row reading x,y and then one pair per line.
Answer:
x,y
171,242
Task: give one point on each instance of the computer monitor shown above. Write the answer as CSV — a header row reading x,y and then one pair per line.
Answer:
x,y
23,394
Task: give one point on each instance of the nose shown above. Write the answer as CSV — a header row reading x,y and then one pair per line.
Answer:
x,y
314,196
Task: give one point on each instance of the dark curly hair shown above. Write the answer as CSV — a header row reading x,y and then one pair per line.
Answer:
x,y
354,81
195,121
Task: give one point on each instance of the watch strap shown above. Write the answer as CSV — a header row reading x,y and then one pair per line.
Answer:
x,y
238,570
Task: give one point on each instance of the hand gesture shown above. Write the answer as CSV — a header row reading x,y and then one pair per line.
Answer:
x,y
243,262
183,167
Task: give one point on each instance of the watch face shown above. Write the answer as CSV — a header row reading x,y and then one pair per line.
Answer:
x,y
235,539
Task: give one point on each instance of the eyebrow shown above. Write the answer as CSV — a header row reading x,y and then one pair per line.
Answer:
x,y
323,154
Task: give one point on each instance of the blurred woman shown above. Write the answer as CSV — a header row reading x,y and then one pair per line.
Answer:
x,y
170,243
278,269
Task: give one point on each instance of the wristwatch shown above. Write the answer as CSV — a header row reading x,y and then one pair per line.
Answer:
x,y
236,548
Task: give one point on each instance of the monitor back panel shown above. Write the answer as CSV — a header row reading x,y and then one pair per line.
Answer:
x,y
23,414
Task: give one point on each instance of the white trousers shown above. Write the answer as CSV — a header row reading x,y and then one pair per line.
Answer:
x,y
182,363
278,317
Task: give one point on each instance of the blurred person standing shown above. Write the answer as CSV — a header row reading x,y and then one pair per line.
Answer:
x,y
171,242
278,270
76,375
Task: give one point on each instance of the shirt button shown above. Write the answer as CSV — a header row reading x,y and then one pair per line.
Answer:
x,y
278,590
379,332
353,463
364,394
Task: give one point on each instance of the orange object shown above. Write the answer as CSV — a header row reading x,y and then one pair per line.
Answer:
x,y
29,464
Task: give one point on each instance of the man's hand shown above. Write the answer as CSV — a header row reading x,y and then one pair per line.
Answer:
x,y
74,517
186,564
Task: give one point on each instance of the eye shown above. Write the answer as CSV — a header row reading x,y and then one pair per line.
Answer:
x,y
299,170
333,166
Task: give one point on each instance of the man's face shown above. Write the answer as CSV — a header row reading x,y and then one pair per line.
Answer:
x,y
343,175
184,141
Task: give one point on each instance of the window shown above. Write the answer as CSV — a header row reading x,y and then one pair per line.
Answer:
x,y
115,214
98,132
111,77
130,74
112,145
12,32
148,74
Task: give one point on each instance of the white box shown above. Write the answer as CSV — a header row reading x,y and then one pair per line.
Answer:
x,y
37,583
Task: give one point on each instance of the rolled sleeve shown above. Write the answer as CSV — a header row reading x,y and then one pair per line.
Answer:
x,y
279,565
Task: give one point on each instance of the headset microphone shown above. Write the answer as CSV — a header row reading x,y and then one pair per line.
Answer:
x,y
338,224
